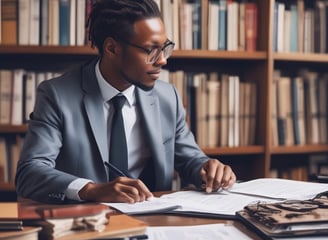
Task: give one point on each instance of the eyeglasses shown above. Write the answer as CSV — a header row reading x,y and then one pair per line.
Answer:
x,y
154,53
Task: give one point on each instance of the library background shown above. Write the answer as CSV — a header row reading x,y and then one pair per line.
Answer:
x,y
251,74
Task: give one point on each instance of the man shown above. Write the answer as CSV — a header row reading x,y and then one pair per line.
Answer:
x,y
67,153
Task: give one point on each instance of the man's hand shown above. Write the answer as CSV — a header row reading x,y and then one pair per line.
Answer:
x,y
216,175
122,189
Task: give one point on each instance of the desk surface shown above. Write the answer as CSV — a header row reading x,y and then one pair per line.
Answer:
x,y
170,220
178,220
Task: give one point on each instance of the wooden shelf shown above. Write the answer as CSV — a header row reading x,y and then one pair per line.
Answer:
x,y
87,50
207,54
13,128
234,150
300,149
47,50
301,57
7,186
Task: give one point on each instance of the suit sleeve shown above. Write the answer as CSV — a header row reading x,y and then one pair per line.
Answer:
x,y
36,176
188,156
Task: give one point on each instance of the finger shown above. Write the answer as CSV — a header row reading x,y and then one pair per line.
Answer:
x,y
231,180
141,192
208,174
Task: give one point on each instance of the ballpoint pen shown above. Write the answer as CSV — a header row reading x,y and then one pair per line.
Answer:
x,y
116,170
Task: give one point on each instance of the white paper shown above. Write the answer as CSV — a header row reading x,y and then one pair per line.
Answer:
x,y
198,232
153,205
226,202
223,202
280,188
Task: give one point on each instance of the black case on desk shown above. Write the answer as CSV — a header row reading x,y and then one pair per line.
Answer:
x,y
290,218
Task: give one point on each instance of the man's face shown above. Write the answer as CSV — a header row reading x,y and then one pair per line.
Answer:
x,y
149,33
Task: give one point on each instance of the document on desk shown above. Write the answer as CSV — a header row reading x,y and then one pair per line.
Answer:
x,y
207,231
221,204
153,205
280,189
225,203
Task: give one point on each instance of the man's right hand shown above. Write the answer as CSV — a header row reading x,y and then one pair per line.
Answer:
x,y
122,189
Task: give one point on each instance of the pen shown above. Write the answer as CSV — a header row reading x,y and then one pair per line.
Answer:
x,y
115,169
137,237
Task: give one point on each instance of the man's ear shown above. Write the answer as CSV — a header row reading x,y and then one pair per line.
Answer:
x,y
111,46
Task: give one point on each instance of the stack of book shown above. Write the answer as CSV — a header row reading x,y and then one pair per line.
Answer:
x,y
55,220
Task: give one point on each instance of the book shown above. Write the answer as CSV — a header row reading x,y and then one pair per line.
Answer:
x,y
196,24
119,226
27,233
298,107
322,108
213,102
5,96
8,22
3,160
285,121
57,220
80,22
34,23
280,27
53,22
224,110
294,42
222,26
213,22
274,110
44,22
17,97
64,22
23,22
251,28
186,25
72,22
232,26
311,106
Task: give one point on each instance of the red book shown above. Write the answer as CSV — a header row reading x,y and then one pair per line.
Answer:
x,y
250,26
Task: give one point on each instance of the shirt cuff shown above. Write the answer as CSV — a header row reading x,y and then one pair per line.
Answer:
x,y
72,191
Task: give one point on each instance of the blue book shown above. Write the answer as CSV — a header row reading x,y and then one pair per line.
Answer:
x,y
294,28
222,24
196,25
295,111
64,22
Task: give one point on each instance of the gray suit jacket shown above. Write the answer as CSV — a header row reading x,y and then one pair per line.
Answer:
x,y
67,137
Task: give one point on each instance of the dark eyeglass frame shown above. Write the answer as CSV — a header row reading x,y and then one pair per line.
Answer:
x,y
157,50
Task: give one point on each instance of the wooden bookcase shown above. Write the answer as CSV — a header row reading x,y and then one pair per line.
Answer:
x,y
249,161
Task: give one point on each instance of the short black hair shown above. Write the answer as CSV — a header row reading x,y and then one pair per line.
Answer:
x,y
115,18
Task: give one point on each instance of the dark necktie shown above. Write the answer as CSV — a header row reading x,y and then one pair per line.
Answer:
x,y
118,154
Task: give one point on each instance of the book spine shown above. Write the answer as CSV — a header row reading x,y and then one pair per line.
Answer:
x,y
64,21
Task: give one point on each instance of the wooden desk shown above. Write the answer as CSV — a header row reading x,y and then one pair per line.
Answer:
x,y
163,219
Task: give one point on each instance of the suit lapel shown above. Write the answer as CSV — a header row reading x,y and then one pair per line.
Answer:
x,y
150,114
93,103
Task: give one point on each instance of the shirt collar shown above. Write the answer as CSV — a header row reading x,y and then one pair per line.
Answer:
x,y
108,91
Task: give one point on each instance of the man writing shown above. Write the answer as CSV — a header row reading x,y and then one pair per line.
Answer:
x,y
73,152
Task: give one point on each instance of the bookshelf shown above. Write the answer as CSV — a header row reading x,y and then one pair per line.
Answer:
x,y
250,161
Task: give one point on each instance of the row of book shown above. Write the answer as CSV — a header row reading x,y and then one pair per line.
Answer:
x,y
197,24
44,22
300,26
221,109
212,25
299,110
301,168
17,94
